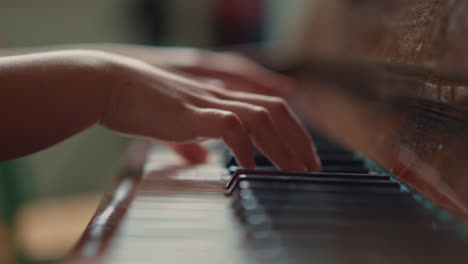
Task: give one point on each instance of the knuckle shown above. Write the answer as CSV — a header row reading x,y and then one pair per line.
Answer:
x,y
182,107
279,104
220,93
183,111
231,121
261,115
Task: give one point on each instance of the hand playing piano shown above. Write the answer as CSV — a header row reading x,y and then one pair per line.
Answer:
x,y
234,72
136,98
200,110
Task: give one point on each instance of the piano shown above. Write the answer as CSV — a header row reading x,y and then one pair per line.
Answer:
x,y
387,107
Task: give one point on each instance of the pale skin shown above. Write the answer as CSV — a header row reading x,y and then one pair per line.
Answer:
x,y
157,93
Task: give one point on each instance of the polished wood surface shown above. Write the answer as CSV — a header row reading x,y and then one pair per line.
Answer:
x,y
390,79
430,33
410,120
114,205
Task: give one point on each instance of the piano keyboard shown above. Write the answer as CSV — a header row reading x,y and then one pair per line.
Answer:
x,y
345,214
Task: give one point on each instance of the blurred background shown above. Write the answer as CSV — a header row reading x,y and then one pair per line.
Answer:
x,y
48,198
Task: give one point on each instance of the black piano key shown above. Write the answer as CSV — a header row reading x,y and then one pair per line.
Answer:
x,y
327,168
319,187
339,208
368,201
303,183
357,225
346,233
358,246
240,173
341,225
306,217
311,234
389,201
355,221
330,206
333,179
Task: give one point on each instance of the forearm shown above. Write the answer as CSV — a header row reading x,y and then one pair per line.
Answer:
x,y
48,97
161,56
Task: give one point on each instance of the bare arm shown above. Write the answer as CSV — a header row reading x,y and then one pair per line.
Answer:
x,y
47,97
180,56
235,71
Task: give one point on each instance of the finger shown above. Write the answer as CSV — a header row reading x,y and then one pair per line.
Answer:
x,y
259,123
269,84
288,125
193,153
233,62
215,123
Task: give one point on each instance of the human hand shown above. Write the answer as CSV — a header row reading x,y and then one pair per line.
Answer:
x,y
151,102
228,70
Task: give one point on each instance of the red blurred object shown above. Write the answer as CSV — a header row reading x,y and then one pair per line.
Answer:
x,y
239,21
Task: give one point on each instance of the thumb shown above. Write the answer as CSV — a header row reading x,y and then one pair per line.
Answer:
x,y
193,153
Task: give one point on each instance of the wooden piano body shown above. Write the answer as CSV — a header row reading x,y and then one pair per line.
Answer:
x,y
387,79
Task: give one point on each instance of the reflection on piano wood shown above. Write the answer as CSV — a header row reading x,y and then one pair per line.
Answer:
x,y
408,119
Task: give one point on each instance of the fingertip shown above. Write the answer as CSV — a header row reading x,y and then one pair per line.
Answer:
x,y
316,165
313,159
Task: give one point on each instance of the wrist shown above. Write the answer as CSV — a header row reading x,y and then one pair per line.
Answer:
x,y
94,79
